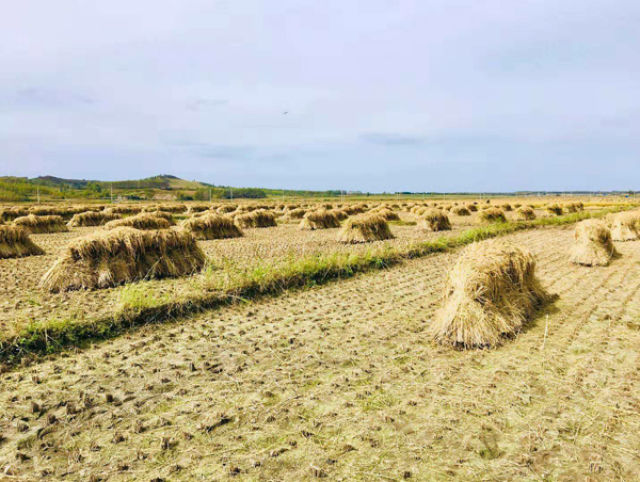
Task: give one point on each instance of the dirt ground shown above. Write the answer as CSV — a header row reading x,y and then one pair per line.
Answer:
x,y
342,382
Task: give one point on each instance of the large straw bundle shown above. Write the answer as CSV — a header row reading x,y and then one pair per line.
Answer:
x,y
140,221
625,226
164,215
555,209
355,209
364,228
319,219
341,214
9,214
493,215
472,207
212,226
15,243
574,207
434,220
256,219
92,218
386,213
593,245
506,207
461,211
47,210
41,224
110,258
525,213
294,214
490,293
124,209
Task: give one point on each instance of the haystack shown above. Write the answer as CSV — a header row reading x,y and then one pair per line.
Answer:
x,y
212,226
15,243
525,213
164,215
434,220
227,208
490,293
124,209
292,214
319,219
256,219
461,211
574,207
554,209
41,224
493,215
340,214
140,221
625,226
472,207
386,213
593,245
109,258
92,218
355,209
9,214
506,207
364,228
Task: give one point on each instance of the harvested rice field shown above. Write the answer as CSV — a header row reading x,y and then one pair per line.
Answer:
x,y
343,382
24,302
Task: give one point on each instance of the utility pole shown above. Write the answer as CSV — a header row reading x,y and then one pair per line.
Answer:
x,y
38,193
209,194
231,192
111,193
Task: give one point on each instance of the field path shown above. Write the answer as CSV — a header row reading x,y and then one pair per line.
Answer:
x,y
341,381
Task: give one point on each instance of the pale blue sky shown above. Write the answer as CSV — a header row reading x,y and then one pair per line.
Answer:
x,y
448,95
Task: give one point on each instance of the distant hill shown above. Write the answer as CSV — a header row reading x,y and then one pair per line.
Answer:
x,y
163,186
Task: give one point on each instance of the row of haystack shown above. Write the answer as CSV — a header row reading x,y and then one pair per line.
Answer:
x,y
492,291
41,224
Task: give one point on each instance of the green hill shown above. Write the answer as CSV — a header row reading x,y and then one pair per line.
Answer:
x,y
161,187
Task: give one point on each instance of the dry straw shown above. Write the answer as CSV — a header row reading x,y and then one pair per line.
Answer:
x,y
341,214
122,255
525,213
554,209
625,226
15,243
493,215
92,218
491,292
386,213
461,211
364,228
41,224
296,213
593,245
9,214
434,220
212,226
140,221
319,219
260,218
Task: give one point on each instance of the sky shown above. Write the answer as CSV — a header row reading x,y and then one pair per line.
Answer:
x,y
371,95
